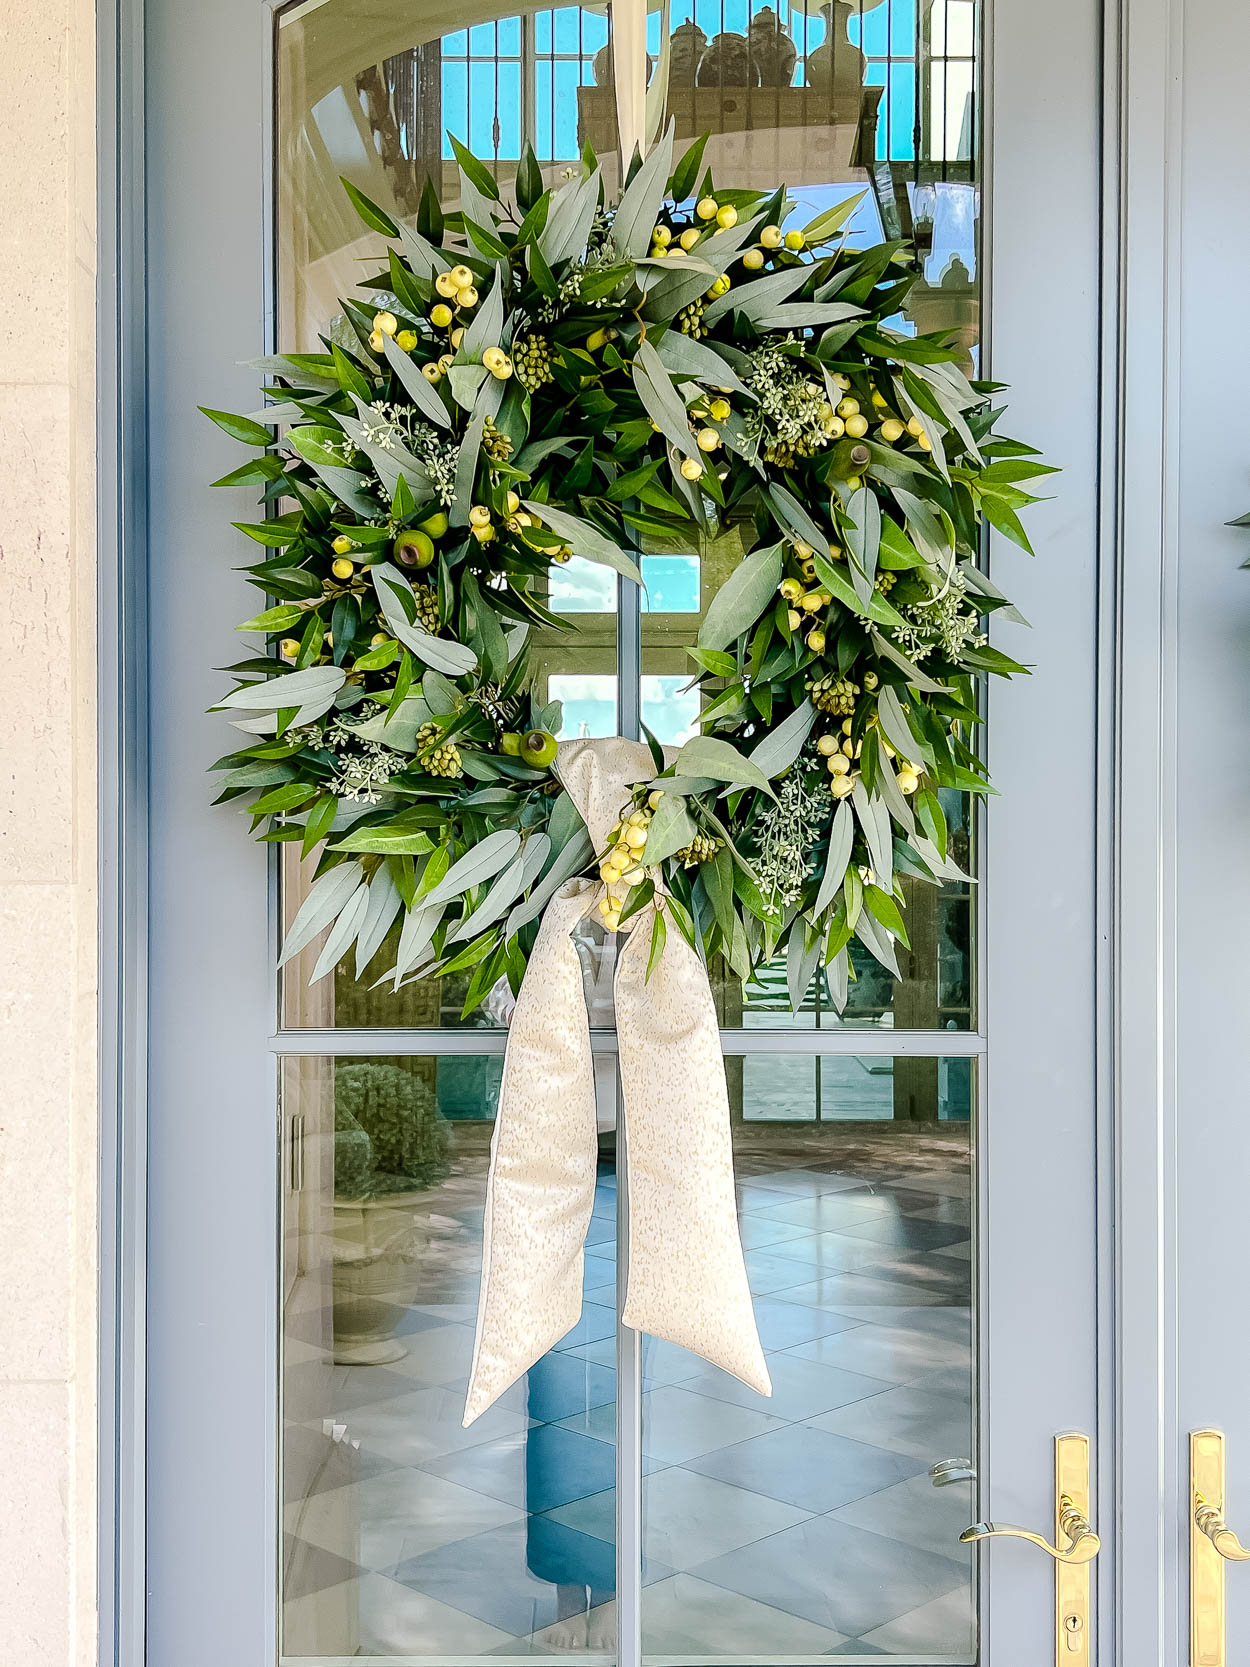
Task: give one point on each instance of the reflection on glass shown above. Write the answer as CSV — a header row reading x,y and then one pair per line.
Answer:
x,y
407,1536
806,1524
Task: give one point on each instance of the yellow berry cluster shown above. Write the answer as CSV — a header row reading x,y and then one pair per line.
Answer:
x,y
833,694
623,864
439,758
802,608
386,324
702,848
532,361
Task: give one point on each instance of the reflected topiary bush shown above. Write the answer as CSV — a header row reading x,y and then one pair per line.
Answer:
x,y
388,1133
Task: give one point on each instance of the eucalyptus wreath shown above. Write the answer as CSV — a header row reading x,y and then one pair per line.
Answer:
x,y
561,372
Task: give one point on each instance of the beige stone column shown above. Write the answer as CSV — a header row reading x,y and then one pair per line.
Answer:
x,y
47,836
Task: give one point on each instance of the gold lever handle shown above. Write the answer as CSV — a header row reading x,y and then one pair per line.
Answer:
x,y
1075,1547
1209,1521
1082,1544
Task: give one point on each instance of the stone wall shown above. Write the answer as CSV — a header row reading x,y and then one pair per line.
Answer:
x,y
47,836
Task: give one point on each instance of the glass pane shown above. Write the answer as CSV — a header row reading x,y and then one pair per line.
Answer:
x,y
806,1524
406,1536
372,100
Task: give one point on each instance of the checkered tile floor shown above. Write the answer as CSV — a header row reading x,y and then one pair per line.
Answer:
x,y
778,1529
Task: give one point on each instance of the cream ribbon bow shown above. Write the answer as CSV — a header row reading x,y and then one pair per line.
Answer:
x,y
687,1280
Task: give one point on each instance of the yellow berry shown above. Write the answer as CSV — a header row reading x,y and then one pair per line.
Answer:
x,y
484,535
857,426
654,797
707,439
431,373
753,260
377,639
691,468
479,516
791,589
793,618
718,410
795,240
837,765
835,552
924,442
387,323
816,641
635,838
461,277
827,745
376,341
407,339
342,544
727,217
612,919
907,782
658,252
440,316
662,236
446,285
915,427
770,237
466,297
811,603
288,647
707,208
445,362
848,407
841,786
342,568
878,399
513,503
892,430
836,428
689,238
870,680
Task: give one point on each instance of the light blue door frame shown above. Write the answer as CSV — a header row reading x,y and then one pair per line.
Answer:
x,y
1113,1157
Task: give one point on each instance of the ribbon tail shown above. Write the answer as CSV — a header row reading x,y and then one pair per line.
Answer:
x,y
687,1278
542,1168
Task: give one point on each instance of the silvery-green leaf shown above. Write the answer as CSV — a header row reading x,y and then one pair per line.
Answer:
x,y
443,653
551,717
326,899
503,890
564,821
661,401
745,594
802,960
398,730
486,327
950,401
274,364
419,391
932,430
425,260
708,755
293,688
476,207
863,540
280,412
684,356
670,829
978,582
878,941
879,849
342,933
893,798
925,527
642,199
758,295
419,927
389,462
586,540
838,973
777,750
441,696
569,221
831,220
515,638
466,383
806,315
791,513
466,469
841,838
481,862
897,730
677,288
571,859
683,786
946,868
348,487
384,904
917,678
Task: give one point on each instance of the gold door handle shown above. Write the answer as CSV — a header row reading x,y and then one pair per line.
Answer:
x,y
1212,1543
1076,1545
1082,1544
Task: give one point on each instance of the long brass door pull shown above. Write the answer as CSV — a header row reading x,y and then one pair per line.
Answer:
x,y
1076,1545
1212,1543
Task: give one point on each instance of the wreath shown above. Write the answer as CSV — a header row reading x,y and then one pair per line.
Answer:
x,y
570,373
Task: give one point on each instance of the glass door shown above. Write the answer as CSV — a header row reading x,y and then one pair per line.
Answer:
x,y
318,1182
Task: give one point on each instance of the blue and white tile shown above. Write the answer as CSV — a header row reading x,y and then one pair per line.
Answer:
x,y
811,1468
918,1514
374,1616
945,1626
685,1616
384,1519
906,1420
898,1354
412,1429
801,1388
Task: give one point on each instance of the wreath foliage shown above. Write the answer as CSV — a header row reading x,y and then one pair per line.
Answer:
x,y
563,374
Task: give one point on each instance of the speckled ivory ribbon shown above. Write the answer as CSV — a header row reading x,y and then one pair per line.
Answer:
x,y
687,1280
